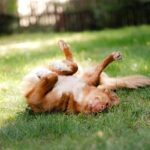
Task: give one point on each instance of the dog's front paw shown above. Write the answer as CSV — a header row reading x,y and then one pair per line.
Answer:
x,y
117,55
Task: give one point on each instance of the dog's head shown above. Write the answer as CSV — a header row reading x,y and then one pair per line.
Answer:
x,y
100,100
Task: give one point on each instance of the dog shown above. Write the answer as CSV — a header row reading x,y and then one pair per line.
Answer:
x,y
58,87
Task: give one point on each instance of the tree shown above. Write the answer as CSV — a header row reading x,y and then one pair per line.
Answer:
x,y
8,18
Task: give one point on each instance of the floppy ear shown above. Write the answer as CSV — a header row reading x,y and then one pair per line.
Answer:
x,y
113,97
66,49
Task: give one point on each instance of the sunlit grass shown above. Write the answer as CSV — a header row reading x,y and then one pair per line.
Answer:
x,y
123,127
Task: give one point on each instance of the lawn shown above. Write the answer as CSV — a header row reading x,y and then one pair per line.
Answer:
x,y
124,127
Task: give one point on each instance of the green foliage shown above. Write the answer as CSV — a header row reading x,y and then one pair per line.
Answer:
x,y
12,6
124,127
97,14
115,13
8,7
9,20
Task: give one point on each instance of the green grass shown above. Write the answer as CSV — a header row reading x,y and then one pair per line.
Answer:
x,y
124,127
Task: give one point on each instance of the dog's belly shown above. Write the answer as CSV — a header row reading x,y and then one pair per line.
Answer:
x,y
70,84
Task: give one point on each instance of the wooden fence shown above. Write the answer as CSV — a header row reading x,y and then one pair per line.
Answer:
x,y
77,15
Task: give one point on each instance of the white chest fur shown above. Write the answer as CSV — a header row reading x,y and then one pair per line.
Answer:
x,y
64,83
70,84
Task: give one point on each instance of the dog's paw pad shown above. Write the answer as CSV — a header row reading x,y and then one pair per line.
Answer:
x,y
117,55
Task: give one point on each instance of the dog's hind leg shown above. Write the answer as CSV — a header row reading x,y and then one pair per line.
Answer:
x,y
66,49
36,96
67,66
92,76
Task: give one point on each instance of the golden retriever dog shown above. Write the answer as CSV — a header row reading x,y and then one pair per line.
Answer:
x,y
59,87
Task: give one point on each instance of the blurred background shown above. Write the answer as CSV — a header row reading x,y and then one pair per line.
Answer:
x,y
71,15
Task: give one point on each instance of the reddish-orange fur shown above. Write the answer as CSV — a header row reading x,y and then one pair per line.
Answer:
x,y
95,92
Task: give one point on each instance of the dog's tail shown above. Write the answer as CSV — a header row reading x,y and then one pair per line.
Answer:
x,y
132,82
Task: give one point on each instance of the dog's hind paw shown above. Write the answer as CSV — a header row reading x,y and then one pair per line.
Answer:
x,y
117,55
63,45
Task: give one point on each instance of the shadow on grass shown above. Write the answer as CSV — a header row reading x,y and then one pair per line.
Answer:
x,y
28,124
119,122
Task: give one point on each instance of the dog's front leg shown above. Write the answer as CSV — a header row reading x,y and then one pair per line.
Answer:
x,y
92,76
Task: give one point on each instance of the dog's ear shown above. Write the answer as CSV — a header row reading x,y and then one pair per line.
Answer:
x,y
66,49
113,97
